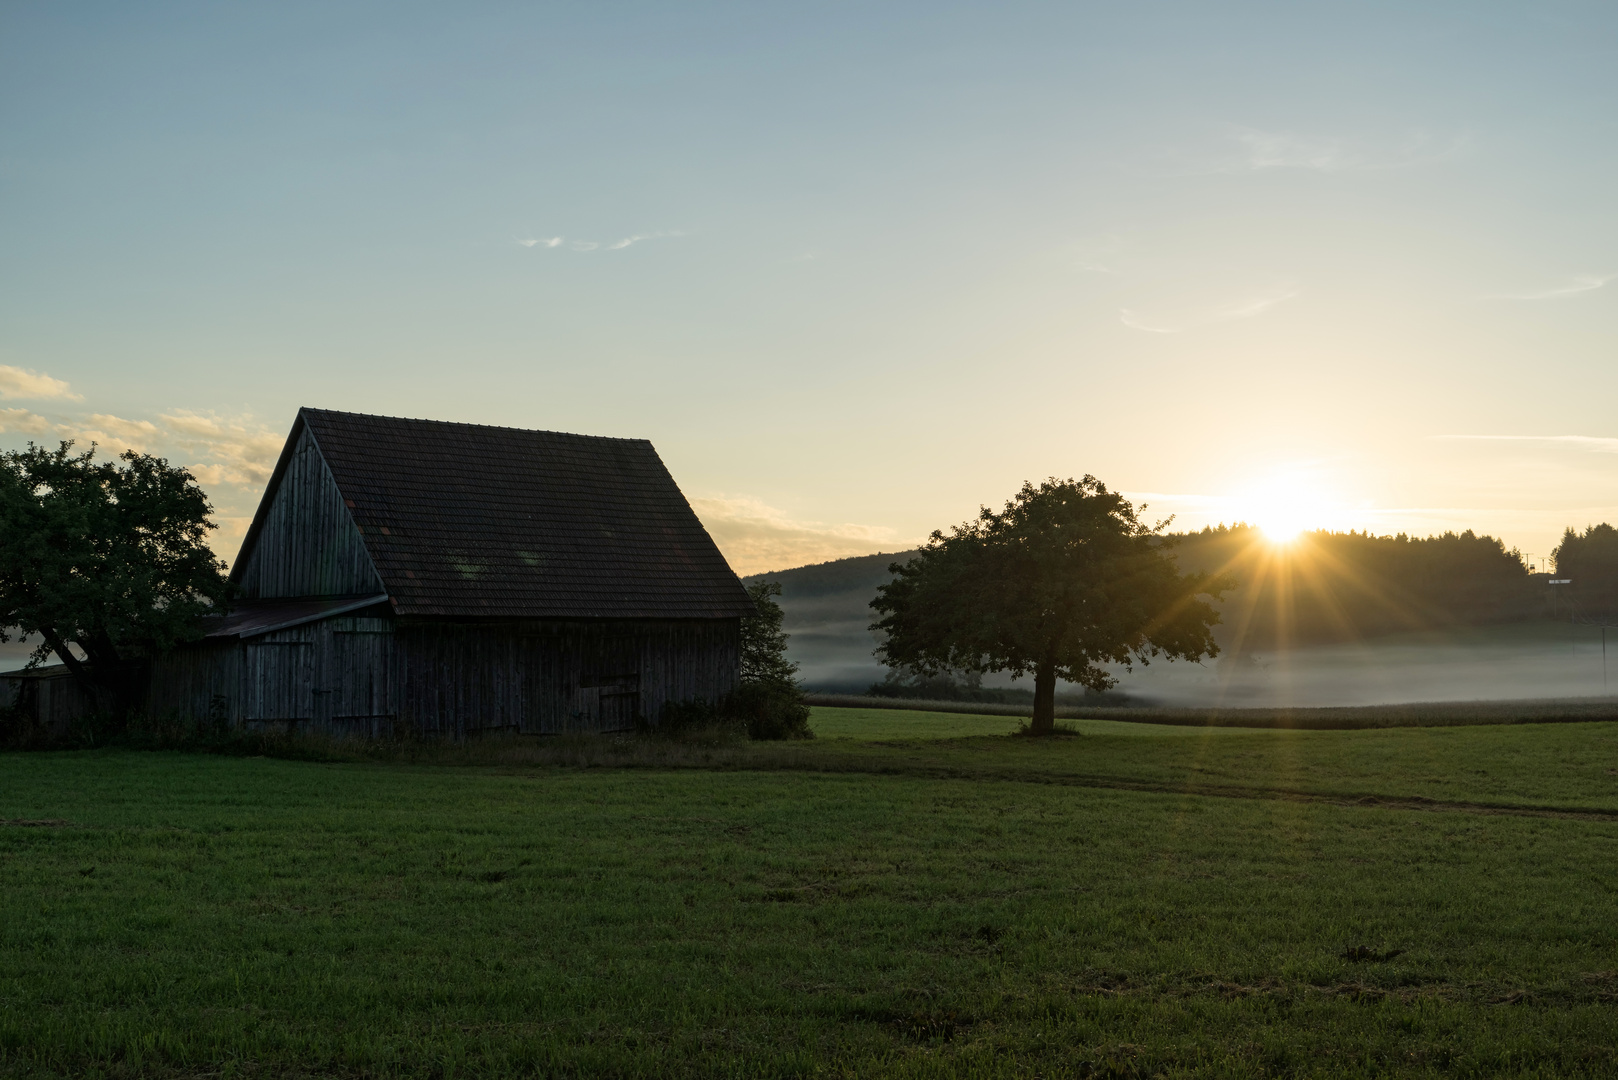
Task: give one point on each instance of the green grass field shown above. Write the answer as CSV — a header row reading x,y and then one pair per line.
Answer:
x,y
899,897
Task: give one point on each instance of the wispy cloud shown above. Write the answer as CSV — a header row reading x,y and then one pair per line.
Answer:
x,y
1236,149
1590,443
638,237
1574,286
235,450
23,422
1258,305
217,449
1266,150
17,382
596,245
756,536
1136,321
1281,150
231,456
113,432
1180,319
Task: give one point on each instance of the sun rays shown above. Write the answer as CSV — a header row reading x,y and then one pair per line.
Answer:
x,y
1288,503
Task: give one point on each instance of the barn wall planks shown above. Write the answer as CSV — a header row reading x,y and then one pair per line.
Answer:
x,y
552,677
53,701
309,544
374,677
199,682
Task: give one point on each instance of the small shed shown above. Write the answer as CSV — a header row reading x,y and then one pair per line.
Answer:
x,y
423,578
46,697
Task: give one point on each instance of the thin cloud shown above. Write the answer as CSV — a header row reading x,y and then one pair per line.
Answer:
x,y
23,422
1590,443
756,536
18,382
1135,321
1256,306
1264,151
595,245
638,237
1190,318
1278,150
216,449
237,450
113,432
1575,286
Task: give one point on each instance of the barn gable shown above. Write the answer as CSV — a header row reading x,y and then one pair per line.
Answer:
x,y
303,541
470,521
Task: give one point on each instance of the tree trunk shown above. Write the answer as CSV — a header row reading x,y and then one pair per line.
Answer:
x,y
92,676
1044,700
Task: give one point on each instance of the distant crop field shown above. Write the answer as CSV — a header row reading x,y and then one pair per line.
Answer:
x,y
899,901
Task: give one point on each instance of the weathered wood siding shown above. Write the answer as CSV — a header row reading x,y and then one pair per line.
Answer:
x,y
199,682
309,544
552,677
377,676
54,702
334,676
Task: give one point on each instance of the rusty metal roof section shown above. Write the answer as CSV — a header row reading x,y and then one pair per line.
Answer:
x,y
464,520
250,618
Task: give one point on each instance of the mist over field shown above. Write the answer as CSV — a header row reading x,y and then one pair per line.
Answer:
x,y
828,616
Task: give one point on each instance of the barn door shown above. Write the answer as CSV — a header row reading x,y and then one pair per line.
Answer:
x,y
612,703
280,682
361,683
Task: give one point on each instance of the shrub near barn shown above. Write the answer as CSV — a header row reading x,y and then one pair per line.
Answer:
x,y
768,702
769,699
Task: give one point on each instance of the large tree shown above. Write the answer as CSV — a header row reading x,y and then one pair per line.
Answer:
x,y
1061,582
102,559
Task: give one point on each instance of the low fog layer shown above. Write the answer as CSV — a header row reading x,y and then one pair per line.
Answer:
x,y
1523,661
827,616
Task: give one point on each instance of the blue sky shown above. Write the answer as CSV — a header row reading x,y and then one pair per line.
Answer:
x,y
854,269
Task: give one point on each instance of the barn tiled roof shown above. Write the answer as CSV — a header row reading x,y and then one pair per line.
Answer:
x,y
468,520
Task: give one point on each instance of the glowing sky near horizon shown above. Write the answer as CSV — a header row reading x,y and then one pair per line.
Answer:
x,y
854,269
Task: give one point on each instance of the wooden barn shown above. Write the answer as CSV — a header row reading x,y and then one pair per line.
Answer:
x,y
439,580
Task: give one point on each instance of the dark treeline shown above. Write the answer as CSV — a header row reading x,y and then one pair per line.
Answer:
x,y
1325,587
1331,586
1590,561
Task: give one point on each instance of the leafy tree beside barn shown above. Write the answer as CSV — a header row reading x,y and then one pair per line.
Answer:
x,y
101,562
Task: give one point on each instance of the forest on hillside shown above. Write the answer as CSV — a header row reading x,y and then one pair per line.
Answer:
x,y
1348,586
1323,587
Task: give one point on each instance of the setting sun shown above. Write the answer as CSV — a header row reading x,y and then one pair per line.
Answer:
x,y
1281,528
1287,505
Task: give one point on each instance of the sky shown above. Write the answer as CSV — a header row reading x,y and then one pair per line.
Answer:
x,y
855,269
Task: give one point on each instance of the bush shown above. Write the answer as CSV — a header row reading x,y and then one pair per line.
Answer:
x,y
758,709
694,719
770,710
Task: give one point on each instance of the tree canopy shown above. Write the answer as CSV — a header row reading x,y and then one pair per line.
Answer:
x,y
1329,586
1590,560
111,558
1063,581
764,643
